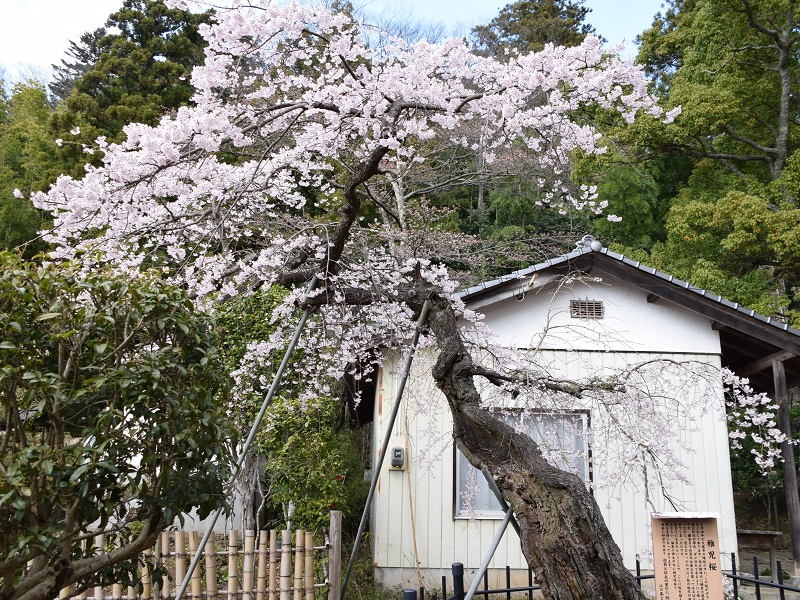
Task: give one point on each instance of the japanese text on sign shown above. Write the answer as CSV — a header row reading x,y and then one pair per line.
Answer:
x,y
686,557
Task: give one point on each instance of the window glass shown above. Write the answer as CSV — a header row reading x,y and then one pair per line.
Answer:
x,y
562,438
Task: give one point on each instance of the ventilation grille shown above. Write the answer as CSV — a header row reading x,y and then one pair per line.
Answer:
x,y
586,309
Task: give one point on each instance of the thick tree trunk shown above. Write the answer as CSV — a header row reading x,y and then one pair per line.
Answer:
x,y
564,537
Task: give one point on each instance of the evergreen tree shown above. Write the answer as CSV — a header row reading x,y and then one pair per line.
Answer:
x,y
733,67
85,53
140,72
527,25
28,163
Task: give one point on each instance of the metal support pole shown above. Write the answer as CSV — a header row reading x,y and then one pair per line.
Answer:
x,y
253,430
488,558
503,504
423,315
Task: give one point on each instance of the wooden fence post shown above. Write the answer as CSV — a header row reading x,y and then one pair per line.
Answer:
x,y
261,576
165,564
100,544
233,554
212,587
156,588
335,556
247,566
85,593
147,578
299,538
273,564
309,579
197,583
180,556
286,564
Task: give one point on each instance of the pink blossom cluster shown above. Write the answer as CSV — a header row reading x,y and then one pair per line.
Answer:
x,y
289,98
250,182
752,415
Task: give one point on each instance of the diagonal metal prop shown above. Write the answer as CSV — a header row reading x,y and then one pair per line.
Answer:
x,y
253,430
508,518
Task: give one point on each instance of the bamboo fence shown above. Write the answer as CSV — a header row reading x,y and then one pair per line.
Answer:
x,y
263,565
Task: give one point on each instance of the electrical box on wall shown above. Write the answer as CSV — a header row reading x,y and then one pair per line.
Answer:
x,y
398,458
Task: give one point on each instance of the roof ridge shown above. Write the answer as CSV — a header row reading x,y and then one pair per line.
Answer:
x,y
589,245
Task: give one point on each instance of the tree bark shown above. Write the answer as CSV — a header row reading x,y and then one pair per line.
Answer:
x,y
564,537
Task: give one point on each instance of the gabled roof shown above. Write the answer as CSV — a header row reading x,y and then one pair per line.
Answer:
x,y
749,341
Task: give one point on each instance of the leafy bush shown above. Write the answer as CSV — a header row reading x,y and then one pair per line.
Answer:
x,y
109,420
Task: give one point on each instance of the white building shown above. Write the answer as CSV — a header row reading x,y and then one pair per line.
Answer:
x,y
603,312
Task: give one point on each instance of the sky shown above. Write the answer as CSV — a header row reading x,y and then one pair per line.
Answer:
x,y
36,33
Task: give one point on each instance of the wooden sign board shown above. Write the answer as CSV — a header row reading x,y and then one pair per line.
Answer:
x,y
686,556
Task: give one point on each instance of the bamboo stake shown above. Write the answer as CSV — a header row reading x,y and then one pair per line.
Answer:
x,y
286,564
180,555
147,579
156,559
100,544
85,593
64,593
299,538
247,565
273,564
116,591
212,587
131,593
164,562
309,585
233,554
194,574
261,577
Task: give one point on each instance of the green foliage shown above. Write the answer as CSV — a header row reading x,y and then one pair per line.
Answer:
x,y
723,66
633,197
739,247
141,72
309,463
308,460
86,53
732,223
110,418
28,163
527,25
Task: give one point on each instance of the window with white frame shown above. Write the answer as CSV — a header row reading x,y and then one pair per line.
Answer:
x,y
562,438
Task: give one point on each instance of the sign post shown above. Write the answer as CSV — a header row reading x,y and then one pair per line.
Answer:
x,y
686,556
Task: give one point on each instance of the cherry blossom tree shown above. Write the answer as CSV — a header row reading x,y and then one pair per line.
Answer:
x,y
302,125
